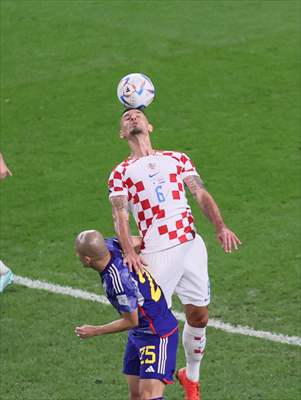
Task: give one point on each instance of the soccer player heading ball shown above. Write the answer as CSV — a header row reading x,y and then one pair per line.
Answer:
x,y
151,184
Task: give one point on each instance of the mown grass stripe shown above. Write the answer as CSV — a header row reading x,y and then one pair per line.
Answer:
x,y
213,323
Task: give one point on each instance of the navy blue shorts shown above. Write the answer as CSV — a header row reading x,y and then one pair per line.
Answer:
x,y
151,356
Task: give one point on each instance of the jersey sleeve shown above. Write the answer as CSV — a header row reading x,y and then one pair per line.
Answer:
x,y
125,291
116,183
112,244
188,167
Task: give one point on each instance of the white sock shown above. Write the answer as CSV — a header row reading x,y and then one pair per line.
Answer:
x,y
3,268
194,342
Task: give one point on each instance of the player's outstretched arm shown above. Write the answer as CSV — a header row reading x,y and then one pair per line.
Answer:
x,y
129,320
122,228
225,236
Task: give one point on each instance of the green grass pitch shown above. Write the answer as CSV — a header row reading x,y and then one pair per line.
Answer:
x,y
227,75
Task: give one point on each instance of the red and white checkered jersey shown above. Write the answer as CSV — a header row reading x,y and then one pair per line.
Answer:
x,y
155,190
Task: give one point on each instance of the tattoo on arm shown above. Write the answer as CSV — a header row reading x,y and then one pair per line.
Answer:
x,y
120,208
193,183
204,200
120,203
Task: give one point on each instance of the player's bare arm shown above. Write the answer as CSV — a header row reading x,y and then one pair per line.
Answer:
x,y
225,236
128,321
205,200
120,211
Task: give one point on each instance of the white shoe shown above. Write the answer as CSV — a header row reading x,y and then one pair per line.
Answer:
x,y
5,280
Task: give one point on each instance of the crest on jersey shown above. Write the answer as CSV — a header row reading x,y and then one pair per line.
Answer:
x,y
122,300
151,166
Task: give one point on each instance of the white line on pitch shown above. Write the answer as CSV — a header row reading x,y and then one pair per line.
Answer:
x,y
214,323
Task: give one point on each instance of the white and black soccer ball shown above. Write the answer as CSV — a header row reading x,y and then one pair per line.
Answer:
x,y
136,91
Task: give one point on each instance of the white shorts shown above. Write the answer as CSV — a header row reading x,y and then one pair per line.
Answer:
x,y
183,270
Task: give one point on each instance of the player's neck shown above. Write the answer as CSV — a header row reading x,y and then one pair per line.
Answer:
x,y
102,263
141,147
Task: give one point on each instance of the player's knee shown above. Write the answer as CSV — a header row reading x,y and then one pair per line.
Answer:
x,y
198,319
203,321
150,392
145,396
135,396
134,393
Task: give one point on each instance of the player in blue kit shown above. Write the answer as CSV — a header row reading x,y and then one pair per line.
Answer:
x,y
150,355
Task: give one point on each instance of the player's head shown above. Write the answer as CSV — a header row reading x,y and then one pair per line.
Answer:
x,y
134,122
91,248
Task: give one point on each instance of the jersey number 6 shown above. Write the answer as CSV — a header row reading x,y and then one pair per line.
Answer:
x,y
160,195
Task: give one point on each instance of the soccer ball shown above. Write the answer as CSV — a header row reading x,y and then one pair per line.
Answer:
x,y
135,91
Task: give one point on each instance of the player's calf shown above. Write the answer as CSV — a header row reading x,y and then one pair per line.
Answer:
x,y
194,343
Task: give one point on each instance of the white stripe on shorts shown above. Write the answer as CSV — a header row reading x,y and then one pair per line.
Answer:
x,y
162,355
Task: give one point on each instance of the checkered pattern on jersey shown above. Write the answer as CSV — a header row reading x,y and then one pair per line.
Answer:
x,y
116,181
179,229
145,212
185,167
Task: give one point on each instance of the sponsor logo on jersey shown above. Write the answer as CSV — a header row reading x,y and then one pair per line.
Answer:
x,y
153,175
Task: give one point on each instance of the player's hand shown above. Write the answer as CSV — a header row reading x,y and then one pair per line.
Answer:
x,y
85,331
134,262
4,170
228,239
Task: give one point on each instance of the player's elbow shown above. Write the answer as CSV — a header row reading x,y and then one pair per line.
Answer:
x,y
133,325
133,321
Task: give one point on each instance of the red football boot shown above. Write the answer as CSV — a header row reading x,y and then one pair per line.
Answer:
x,y
191,389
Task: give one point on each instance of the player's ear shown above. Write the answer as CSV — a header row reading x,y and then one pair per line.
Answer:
x,y
150,128
87,260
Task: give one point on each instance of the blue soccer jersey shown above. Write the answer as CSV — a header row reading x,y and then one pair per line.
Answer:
x,y
128,291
